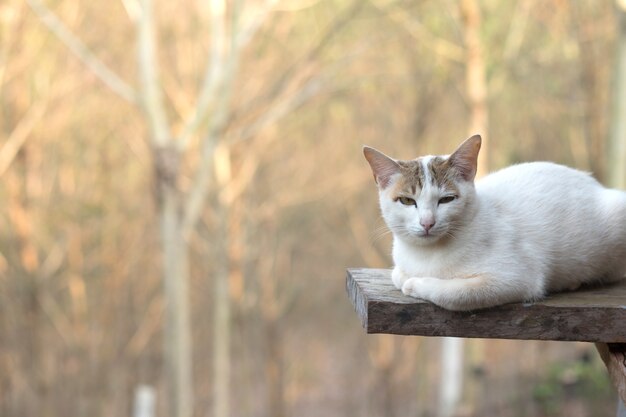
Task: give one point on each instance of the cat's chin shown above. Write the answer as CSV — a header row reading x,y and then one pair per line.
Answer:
x,y
423,239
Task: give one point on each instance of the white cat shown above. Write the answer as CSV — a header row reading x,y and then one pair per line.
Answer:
x,y
517,234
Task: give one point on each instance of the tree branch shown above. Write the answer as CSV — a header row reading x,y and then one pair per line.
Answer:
x,y
151,96
80,50
199,188
311,88
515,37
279,109
245,35
19,134
286,77
439,45
214,73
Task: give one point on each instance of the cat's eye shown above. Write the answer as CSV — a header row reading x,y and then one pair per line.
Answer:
x,y
407,201
447,199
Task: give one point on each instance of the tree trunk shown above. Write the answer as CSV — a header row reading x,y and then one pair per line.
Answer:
x,y
221,314
178,354
274,368
476,80
32,343
617,129
221,323
593,109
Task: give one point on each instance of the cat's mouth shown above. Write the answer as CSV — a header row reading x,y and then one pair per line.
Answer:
x,y
419,234
426,234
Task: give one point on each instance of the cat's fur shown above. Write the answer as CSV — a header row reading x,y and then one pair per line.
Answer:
x,y
517,234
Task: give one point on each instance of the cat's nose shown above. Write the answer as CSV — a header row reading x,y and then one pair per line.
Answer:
x,y
427,224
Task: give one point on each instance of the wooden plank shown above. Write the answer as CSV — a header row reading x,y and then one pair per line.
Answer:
x,y
590,315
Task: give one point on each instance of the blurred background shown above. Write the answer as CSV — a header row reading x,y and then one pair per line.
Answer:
x,y
183,187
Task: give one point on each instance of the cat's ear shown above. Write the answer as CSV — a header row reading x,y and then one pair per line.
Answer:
x,y
383,167
465,158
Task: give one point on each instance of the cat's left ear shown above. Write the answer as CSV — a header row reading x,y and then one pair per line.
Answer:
x,y
465,158
383,167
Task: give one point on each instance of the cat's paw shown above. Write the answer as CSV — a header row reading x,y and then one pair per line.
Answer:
x,y
418,288
398,277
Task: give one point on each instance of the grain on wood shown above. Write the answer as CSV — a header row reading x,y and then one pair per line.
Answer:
x,y
591,314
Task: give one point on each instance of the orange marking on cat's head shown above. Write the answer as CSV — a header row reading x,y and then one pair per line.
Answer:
x,y
444,174
412,178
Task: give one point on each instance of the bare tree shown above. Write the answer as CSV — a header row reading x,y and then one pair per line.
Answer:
x,y
233,26
81,300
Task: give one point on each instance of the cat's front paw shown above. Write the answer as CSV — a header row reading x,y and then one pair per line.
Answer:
x,y
418,288
398,277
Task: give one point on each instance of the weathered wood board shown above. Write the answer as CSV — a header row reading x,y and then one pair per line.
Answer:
x,y
591,315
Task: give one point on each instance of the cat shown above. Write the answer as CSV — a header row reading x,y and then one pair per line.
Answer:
x,y
514,236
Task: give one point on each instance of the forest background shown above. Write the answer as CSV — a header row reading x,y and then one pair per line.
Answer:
x,y
182,188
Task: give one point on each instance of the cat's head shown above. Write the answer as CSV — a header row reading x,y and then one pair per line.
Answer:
x,y
427,199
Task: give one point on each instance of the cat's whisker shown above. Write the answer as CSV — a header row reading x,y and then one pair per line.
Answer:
x,y
380,234
382,228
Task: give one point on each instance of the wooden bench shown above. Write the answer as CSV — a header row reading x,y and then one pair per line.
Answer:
x,y
588,315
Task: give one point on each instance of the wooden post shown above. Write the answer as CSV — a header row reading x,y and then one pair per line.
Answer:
x,y
614,357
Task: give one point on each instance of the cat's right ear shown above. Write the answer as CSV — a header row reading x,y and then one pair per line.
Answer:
x,y
383,167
